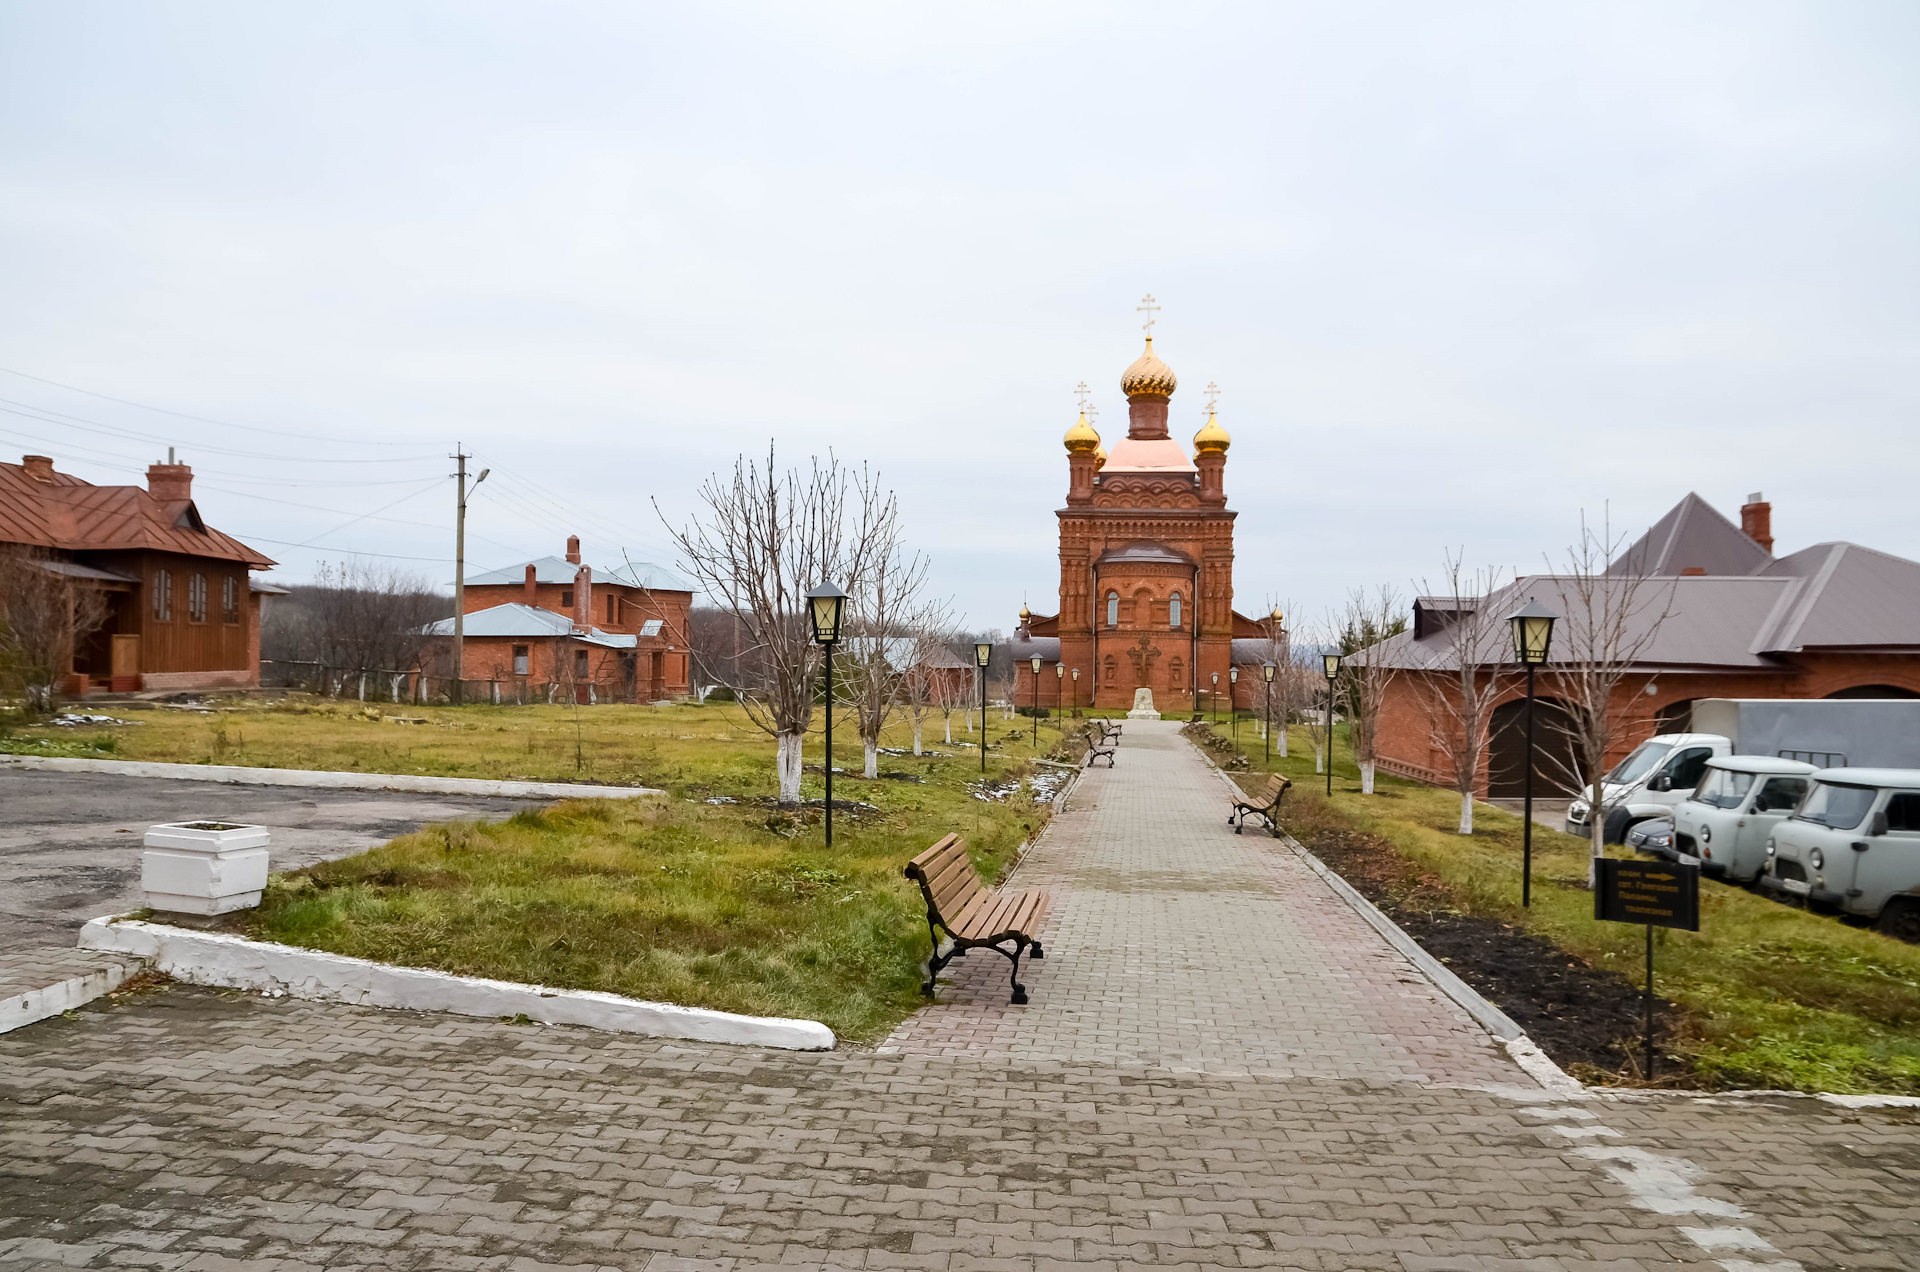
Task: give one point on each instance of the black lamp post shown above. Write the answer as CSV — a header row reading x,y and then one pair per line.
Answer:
x,y
1214,694
1233,703
1266,673
1532,628
1059,684
982,655
824,606
1035,663
1331,662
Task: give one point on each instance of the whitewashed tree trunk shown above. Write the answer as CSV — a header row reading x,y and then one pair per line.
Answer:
x,y
1319,758
872,749
1366,777
916,735
949,723
787,756
1466,814
1280,740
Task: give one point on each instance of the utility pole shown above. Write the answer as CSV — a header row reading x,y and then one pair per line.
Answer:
x,y
460,566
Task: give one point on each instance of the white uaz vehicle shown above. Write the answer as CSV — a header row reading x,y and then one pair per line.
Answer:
x,y
1854,843
1651,782
1725,822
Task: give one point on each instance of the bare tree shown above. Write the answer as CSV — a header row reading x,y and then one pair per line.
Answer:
x,y
877,657
1276,704
1471,676
355,619
1611,613
927,673
763,540
1307,666
44,615
1367,621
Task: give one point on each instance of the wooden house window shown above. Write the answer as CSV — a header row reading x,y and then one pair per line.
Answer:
x,y
230,600
566,598
579,664
520,661
162,596
196,598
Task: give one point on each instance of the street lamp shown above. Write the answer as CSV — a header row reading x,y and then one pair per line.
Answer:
x,y
1331,662
1035,663
1266,673
1214,694
1076,693
824,606
1532,628
1233,703
982,655
1059,683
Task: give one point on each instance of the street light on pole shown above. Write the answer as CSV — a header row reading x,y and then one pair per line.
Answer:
x,y
1532,628
1213,694
1035,662
824,606
1233,703
982,655
1331,663
1059,683
1076,693
1266,673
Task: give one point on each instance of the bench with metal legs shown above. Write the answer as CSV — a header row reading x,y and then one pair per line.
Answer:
x,y
972,915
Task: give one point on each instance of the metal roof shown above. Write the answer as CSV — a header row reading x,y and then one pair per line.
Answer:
x,y
553,569
78,516
525,620
1693,536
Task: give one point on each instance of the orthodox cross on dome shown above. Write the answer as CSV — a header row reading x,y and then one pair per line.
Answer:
x,y
1093,413
1148,306
1213,395
1082,391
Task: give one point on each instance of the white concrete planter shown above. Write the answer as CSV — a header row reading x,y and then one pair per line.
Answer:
x,y
234,962
204,867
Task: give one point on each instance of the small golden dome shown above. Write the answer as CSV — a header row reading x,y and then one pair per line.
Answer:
x,y
1081,436
1211,436
1148,376
1099,459
1276,613
1025,613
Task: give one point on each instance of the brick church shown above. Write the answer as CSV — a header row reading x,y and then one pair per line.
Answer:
x,y
1146,564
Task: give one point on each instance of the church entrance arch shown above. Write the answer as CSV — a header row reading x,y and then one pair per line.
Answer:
x,y
1554,755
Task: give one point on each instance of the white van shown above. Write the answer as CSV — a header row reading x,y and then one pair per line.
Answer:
x,y
1724,824
1651,782
1854,843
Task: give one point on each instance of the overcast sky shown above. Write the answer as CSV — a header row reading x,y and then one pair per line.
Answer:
x,y
1460,270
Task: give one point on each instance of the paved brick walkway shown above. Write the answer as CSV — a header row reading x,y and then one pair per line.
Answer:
x,y
1174,942
1202,1112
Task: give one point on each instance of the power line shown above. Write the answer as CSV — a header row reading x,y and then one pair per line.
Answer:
x,y
391,556
250,428
61,419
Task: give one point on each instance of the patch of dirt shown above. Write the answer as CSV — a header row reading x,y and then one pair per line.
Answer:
x,y
1590,1020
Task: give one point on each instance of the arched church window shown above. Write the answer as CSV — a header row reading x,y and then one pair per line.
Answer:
x,y
1173,611
1113,612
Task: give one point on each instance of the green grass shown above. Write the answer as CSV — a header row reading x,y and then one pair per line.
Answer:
x,y
735,905
1775,996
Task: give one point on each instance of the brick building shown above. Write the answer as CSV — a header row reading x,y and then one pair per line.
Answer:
x,y
183,611
1146,563
1834,620
536,630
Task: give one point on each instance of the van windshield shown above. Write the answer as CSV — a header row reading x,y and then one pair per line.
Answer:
x,y
1723,788
1640,763
1837,807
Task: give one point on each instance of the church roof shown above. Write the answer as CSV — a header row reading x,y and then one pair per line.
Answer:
x,y
1144,554
1138,455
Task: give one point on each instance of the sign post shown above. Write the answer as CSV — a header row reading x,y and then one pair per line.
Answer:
x,y
1652,893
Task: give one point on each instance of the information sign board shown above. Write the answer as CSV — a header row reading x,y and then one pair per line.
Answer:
x,y
1655,893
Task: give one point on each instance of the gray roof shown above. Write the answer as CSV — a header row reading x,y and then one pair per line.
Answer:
x,y
1693,536
553,569
1253,650
75,570
1845,596
1145,554
1022,648
525,620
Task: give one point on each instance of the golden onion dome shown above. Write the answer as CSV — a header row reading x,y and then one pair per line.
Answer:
x,y
1081,436
1025,613
1211,436
1148,376
1099,459
1276,613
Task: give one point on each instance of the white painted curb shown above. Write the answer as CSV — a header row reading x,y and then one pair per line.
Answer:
x,y
26,1007
233,962
240,774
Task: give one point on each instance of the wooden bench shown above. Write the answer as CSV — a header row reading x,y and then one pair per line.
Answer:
x,y
1104,748
973,915
1266,804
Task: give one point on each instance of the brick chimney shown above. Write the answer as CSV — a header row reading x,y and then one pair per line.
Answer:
x,y
1756,521
532,587
169,483
583,596
573,549
39,467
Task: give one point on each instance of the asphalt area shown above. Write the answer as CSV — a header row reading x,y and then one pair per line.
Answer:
x,y
70,842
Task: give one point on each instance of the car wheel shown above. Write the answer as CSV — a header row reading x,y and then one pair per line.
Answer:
x,y
1901,920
